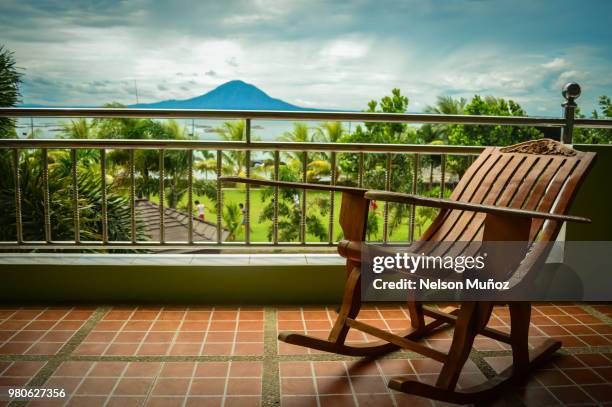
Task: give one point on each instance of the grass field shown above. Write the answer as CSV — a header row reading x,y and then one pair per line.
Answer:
x,y
260,227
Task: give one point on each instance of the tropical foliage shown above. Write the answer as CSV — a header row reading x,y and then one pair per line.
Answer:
x,y
61,202
10,79
596,136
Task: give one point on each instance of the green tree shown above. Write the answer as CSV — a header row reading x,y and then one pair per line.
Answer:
x,y
232,220
596,136
78,129
446,105
234,160
10,79
329,132
60,203
290,212
375,165
299,134
480,135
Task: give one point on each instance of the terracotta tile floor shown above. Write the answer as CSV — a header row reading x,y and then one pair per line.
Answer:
x,y
213,356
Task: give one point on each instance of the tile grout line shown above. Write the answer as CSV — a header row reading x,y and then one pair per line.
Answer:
x,y
63,354
147,332
78,386
598,314
195,364
229,364
270,383
18,331
117,382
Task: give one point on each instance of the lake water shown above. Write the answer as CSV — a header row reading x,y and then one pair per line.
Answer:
x,y
204,129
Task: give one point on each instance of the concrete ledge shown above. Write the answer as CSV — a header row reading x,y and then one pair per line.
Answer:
x,y
206,279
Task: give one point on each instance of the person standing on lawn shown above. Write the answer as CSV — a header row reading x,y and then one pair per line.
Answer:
x,y
200,207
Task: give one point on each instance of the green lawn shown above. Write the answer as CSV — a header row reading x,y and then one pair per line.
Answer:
x,y
260,228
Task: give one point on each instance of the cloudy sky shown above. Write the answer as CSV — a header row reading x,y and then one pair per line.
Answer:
x,y
320,54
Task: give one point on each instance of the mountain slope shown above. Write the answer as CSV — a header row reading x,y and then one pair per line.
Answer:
x,y
233,95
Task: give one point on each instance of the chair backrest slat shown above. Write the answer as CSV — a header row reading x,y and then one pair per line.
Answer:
x,y
539,175
473,191
511,179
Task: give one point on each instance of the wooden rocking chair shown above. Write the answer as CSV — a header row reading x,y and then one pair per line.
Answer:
x,y
516,193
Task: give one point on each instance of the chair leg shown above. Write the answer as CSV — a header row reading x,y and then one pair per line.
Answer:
x,y
472,318
351,304
415,311
520,316
466,330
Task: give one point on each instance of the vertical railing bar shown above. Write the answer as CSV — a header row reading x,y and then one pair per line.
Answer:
x,y
415,180
332,197
304,196
104,202
46,201
442,175
132,196
17,181
360,171
386,206
75,197
162,176
190,196
275,216
219,197
247,198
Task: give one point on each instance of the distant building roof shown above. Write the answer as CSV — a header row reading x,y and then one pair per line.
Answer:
x,y
176,224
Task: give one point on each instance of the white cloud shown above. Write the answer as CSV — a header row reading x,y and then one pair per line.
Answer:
x,y
306,52
555,64
345,49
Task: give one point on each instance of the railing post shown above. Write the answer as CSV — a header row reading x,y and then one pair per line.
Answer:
x,y
46,202
442,174
162,176
571,92
386,206
304,196
219,197
75,196
103,197
415,181
132,196
17,181
275,206
360,171
332,196
247,198
190,196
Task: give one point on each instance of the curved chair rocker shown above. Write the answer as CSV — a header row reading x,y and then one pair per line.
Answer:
x,y
516,193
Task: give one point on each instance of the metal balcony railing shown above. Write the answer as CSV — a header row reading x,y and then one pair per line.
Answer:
x,y
565,124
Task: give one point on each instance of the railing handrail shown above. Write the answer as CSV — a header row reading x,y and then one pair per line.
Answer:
x,y
238,145
566,124
16,112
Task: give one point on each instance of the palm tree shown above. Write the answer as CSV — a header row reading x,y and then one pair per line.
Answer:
x,y
330,132
60,205
444,105
232,220
78,129
234,163
205,162
10,79
299,134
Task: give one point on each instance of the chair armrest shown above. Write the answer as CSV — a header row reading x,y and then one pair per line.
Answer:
x,y
299,185
467,206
